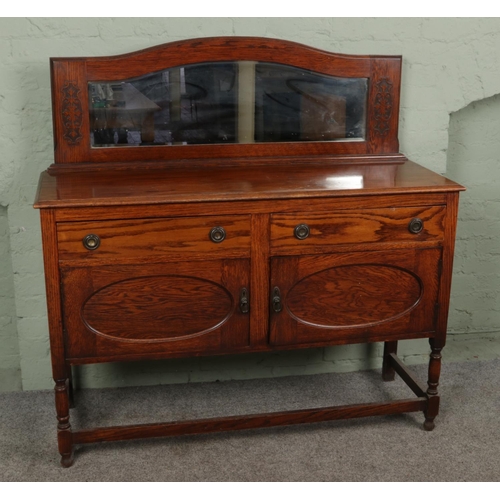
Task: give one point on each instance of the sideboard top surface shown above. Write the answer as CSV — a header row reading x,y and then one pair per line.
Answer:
x,y
193,182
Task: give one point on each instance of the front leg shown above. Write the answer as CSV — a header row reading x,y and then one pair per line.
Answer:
x,y
64,435
433,382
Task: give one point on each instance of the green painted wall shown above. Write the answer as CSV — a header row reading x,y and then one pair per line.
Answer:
x,y
474,157
10,368
448,64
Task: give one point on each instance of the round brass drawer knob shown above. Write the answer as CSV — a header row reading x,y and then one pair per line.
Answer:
x,y
218,234
415,226
301,231
91,241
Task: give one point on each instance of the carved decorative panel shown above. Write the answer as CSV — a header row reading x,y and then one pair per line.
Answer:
x,y
354,295
156,308
383,106
72,113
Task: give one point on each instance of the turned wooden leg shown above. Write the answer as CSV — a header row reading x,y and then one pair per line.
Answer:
x,y
388,372
432,383
71,392
64,436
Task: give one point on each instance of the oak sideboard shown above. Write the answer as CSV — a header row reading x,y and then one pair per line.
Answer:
x,y
232,195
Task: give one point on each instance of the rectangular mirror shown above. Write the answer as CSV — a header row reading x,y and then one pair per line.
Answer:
x,y
227,103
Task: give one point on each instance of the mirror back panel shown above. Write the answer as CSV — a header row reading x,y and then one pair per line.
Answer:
x,y
229,97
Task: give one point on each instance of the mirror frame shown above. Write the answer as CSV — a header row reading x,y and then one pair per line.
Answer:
x,y
70,100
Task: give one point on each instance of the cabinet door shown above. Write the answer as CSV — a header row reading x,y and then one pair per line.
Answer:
x,y
130,310
355,297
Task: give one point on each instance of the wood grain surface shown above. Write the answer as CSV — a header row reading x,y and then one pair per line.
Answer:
x,y
155,238
236,181
355,226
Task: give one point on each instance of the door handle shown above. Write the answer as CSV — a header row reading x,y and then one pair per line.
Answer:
x,y
244,305
276,300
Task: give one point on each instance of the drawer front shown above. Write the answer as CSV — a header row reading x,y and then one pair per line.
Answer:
x,y
154,238
300,232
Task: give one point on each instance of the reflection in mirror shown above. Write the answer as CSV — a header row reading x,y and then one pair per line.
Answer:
x,y
298,105
233,102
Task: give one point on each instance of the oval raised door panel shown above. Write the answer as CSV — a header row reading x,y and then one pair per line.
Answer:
x,y
354,295
158,308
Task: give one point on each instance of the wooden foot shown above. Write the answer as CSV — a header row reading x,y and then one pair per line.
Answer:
x,y
429,424
388,372
432,385
67,460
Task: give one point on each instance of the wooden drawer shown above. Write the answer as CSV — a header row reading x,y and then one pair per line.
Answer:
x,y
347,227
152,238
